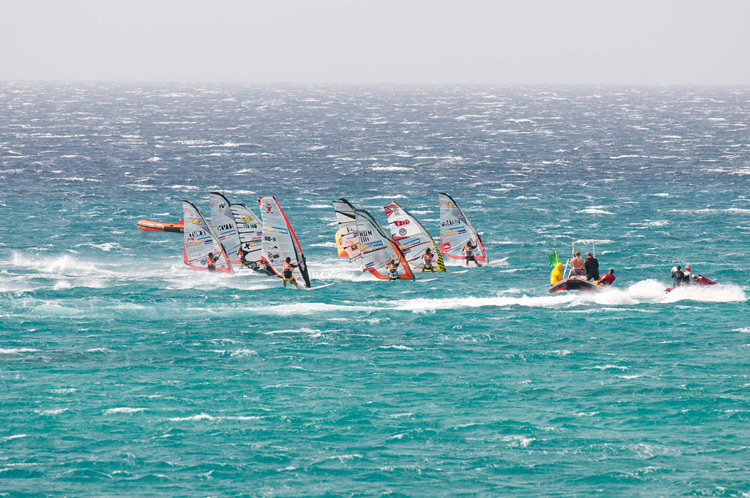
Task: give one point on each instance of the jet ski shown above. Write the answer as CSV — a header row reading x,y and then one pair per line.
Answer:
x,y
161,226
699,280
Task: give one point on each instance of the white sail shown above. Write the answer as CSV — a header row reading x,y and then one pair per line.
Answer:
x,y
200,240
347,229
223,223
456,230
411,236
250,231
377,248
279,240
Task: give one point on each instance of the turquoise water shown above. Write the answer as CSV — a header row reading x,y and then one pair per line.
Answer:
x,y
125,373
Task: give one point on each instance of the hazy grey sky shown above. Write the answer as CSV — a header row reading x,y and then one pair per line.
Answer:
x,y
390,41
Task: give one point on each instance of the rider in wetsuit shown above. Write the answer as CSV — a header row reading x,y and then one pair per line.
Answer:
x,y
469,253
211,262
427,260
287,274
393,269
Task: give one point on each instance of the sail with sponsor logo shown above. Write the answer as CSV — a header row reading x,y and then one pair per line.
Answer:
x,y
347,239
223,223
412,237
200,240
456,230
250,231
280,242
377,249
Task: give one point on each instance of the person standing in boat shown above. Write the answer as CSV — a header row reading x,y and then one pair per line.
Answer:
x,y
576,265
677,276
607,279
556,274
591,266
469,253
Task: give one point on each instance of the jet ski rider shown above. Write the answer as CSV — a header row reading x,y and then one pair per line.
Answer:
x,y
677,276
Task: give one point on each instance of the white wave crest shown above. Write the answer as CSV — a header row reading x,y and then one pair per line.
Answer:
x,y
123,409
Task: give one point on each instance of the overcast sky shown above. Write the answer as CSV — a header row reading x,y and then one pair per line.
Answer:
x,y
388,41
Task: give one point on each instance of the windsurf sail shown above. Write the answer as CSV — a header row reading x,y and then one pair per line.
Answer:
x,y
377,249
279,240
411,236
223,223
250,231
456,230
200,240
349,238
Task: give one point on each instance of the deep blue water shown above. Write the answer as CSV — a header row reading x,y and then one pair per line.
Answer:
x,y
126,373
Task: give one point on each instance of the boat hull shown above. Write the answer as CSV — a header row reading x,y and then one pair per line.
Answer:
x,y
574,284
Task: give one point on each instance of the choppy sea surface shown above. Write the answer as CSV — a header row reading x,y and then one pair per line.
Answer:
x,y
126,373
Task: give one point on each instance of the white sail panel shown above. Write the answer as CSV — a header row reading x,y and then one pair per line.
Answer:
x,y
279,240
456,230
223,223
411,236
377,248
200,240
250,231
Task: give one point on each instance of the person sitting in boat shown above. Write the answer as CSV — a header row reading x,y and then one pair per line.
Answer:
x,y
427,260
556,274
469,253
211,262
577,265
591,266
607,279
677,276
287,274
393,269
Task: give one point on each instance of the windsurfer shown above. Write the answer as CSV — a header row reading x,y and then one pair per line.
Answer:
x,y
577,264
591,266
427,260
469,253
607,279
393,269
211,262
286,271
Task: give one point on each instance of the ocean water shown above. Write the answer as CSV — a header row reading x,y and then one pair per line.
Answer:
x,y
126,373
